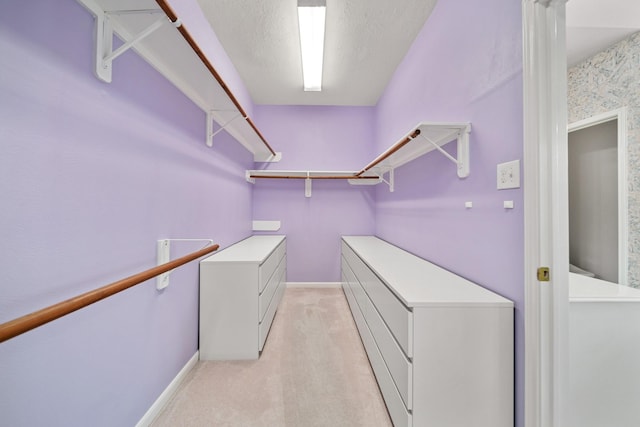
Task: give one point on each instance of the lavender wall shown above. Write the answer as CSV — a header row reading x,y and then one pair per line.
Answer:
x,y
91,175
465,65
316,138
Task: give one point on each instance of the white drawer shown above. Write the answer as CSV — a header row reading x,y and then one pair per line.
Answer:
x,y
356,289
399,414
272,286
397,316
346,288
347,276
268,267
350,297
265,325
397,364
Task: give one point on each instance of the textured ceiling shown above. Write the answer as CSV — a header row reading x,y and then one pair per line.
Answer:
x,y
594,25
365,41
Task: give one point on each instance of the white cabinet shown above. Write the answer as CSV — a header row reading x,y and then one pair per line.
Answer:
x,y
240,289
441,347
604,353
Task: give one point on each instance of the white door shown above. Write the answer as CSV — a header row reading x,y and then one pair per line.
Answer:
x,y
546,212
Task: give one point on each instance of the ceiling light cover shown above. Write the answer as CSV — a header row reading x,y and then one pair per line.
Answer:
x,y
311,22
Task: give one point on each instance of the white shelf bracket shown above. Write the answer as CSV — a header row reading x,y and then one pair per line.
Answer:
x,y
104,54
462,162
391,181
247,176
210,132
463,153
164,256
307,186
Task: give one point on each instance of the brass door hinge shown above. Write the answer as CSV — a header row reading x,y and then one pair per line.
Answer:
x,y
543,274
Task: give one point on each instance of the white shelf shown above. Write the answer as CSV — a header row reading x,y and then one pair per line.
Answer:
x,y
168,51
308,176
422,139
254,174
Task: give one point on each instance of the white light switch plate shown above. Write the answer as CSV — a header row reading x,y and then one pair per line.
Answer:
x,y
509,175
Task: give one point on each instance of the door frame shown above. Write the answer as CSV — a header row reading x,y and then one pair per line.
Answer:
x,y
546,213
623,186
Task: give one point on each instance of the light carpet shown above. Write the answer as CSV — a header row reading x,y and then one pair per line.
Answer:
x,y
313,371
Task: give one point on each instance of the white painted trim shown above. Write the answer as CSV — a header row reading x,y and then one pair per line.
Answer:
x,y
546,213
325,285
168,393
623,183
596,120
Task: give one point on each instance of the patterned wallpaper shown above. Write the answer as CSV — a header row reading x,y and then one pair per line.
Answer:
x,y
608,81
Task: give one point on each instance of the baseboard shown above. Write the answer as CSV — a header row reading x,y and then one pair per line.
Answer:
x,y
168,393
314,284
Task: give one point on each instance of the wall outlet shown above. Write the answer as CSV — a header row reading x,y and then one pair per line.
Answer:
x,y
509,175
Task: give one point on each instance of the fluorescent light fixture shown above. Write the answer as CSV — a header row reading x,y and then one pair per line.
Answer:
x,y
311,17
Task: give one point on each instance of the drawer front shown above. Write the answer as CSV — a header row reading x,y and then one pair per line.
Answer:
x,y
272,286
346,288
398,318
350,299
398,365
268,267
265,325
399,414
355,287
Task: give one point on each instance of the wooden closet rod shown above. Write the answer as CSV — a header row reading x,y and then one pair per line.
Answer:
x,y
390,151
31,321
312,177
173,18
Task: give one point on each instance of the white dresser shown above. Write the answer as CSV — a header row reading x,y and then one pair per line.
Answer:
x,y
240,289
441,347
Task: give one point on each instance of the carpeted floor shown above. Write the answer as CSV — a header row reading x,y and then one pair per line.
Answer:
x,y
313,372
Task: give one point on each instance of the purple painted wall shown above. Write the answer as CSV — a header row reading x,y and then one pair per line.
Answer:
x,y
316,138
465,65
91,176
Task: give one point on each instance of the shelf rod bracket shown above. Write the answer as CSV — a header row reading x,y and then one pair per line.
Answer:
x,y
104,53
391,181
164,256
210,132
307,185
462,162
129,44
437,147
